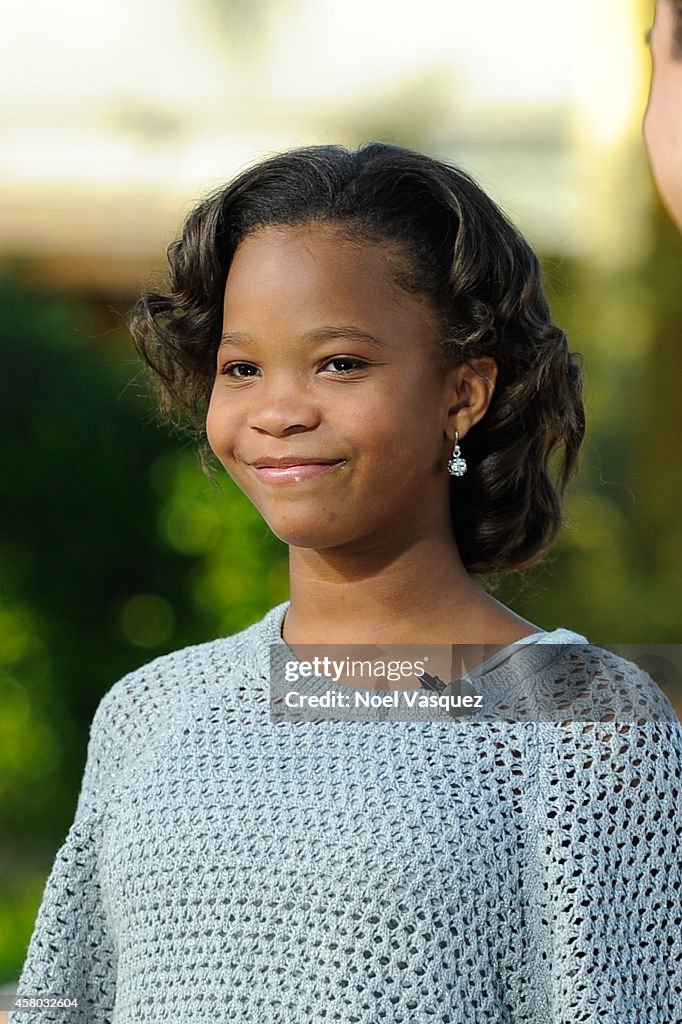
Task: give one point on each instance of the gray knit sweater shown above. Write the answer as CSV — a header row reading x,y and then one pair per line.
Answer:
x,y
226,867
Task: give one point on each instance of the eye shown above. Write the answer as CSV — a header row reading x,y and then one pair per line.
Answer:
x,y
349,362
229,368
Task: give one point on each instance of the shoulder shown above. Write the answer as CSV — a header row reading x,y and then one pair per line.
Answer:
x,y
582,681
618,689
180,678
617,730
156,697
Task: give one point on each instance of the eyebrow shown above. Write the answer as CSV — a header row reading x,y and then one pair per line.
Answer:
x,y
317,334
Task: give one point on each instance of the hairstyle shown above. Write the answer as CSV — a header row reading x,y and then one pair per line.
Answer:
x,y
458,249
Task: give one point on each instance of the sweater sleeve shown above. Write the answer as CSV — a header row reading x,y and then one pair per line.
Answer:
x,y
71,952
606,872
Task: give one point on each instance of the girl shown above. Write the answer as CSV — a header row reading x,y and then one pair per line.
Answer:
x,y
363,342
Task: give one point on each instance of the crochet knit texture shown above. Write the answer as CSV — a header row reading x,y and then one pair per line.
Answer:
x,y
223,866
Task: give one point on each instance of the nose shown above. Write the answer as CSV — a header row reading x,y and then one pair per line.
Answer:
x,y
283,405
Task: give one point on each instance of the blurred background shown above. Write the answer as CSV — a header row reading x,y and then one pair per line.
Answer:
x,y
115,117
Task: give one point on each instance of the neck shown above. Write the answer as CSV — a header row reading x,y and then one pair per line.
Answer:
x,y
415,592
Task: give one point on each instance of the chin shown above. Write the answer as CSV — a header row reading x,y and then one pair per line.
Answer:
x,y
313,540
319,534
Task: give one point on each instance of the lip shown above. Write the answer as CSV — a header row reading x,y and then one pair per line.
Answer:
x,y
287,471
293,460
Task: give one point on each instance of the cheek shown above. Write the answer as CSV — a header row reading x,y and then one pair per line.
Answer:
x,y
218,427
211,428
403,439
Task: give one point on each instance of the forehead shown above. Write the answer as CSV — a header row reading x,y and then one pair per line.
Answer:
x,y
314,263
303,248
296,280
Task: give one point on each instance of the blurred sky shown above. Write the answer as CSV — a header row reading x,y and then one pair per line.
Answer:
x,y
116,116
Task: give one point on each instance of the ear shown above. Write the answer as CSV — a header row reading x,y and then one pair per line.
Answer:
x,y
472,385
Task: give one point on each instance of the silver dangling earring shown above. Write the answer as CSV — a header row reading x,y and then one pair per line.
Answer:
x,y
457,466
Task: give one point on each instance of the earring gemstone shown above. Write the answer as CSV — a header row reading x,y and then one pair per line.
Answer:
x,y
457,466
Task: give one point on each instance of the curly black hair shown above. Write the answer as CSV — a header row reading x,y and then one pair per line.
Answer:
x,y
459,250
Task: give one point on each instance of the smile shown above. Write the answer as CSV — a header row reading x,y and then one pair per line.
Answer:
x,y
295,474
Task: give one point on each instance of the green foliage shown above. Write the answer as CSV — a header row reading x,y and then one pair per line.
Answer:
x,y
77,541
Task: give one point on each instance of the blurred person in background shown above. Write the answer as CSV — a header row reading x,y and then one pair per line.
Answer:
x,y
663,118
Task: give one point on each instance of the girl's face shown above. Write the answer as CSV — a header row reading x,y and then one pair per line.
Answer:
x,y
325,359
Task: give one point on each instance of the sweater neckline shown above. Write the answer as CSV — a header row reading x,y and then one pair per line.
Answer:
x,y
268,631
